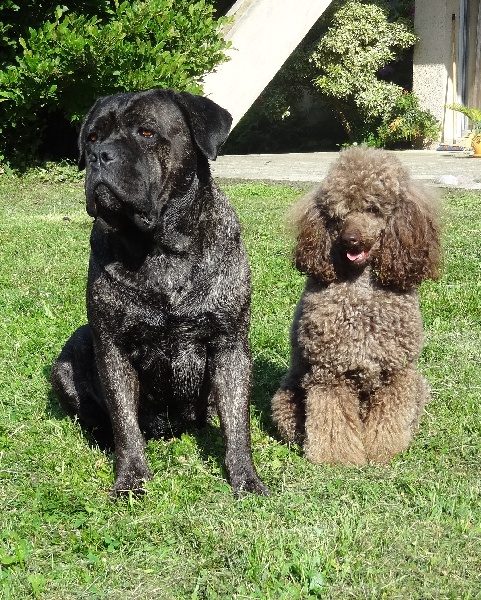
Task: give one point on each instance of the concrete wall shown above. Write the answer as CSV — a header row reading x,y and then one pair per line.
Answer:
x,y
444,70
263,35
433,60
474,50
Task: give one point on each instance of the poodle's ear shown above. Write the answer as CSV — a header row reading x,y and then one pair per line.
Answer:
x,y
313,249
410,246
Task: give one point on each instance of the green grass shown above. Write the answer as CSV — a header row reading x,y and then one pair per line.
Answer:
x,y
411,530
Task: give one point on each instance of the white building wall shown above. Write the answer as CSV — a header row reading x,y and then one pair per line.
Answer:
x,y
444,70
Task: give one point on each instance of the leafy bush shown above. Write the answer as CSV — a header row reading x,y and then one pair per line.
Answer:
x,y
407,122
360,41
18,16
355,64
72,59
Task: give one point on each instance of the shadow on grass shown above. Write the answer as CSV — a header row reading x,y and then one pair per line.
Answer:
x,y
266,377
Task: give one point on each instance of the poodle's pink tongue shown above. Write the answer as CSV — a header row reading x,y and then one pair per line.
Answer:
x,y
358,257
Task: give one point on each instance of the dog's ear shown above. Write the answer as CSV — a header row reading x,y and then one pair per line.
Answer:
x,y
314,245
209,123
410,249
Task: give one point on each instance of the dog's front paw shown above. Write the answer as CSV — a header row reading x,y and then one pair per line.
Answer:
x,y
131,479
249,484
288,414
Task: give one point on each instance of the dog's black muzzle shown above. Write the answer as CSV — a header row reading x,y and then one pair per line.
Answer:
x,y
112,191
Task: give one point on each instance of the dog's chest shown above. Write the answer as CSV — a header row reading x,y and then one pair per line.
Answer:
x,y
161,309
351,328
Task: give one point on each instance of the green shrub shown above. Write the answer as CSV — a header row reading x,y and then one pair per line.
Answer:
x,y
360,41
17,17
407,122
355,63
72,59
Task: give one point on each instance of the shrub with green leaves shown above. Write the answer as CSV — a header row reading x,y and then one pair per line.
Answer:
x,y
360,41
73,58
17,17
407,122
339,65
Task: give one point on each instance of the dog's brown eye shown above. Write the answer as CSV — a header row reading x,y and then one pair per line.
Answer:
x,y
93,137
146,133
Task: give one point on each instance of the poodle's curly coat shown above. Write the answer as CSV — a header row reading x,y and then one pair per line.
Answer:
x,y
366,238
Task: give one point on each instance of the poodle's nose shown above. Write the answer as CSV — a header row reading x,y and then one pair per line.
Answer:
x,y
351,238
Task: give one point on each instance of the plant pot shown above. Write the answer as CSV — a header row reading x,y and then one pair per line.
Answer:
x,y
476,145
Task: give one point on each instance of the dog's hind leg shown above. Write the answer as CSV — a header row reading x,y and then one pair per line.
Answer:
x,y
288,413
74,380
288,404
394,414
333,425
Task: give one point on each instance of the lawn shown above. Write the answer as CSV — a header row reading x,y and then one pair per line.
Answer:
x,y
411,530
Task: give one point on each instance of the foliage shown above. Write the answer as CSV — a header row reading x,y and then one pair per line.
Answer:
x,y
356,65
473,114
360,41
72,58
407,121
297,130
410,529
18,16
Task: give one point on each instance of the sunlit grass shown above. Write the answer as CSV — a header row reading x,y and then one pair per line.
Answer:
x,y
409,530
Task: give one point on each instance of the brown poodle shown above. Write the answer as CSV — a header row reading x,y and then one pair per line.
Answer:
x,y
366,238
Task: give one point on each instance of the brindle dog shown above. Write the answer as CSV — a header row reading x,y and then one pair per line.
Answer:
x,y
168,292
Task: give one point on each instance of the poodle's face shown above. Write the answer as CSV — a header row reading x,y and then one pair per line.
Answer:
x,y
368,211
357,238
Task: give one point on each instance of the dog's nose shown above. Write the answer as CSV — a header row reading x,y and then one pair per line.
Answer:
x,y
351,238
102,156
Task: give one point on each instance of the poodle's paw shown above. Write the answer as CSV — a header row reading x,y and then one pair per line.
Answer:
x,y
345,452
333,426
383,444
288,414
394,416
